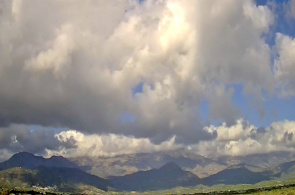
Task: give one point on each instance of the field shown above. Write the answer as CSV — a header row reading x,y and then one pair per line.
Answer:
x,y
286,191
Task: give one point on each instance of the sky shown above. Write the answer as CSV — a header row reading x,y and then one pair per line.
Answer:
x,y
104,78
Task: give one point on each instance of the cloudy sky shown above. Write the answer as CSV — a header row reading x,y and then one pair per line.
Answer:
x,y
111,77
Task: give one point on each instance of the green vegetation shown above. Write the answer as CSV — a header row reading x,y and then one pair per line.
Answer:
x,y
17,178
21,179
5,192
285,191
257,189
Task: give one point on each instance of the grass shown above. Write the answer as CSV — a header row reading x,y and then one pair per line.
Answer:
x,y
286,191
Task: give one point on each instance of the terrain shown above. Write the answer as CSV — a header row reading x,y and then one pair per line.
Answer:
x,y
166,177
30,161
199,165
130,163
27,171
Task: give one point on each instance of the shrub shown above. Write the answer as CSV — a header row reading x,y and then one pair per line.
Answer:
x,y
5,192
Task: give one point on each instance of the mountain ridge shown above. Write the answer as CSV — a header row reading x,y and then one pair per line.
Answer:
x,y
30,161
57,169
168,176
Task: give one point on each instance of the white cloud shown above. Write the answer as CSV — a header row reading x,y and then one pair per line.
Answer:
x,y
5,154
235,132
244,139
284,68
240,139
57,57
261,16
78,64
108,145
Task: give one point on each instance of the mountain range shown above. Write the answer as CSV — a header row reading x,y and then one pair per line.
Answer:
x,y
25,168
166,177
30,161
199,165
130,163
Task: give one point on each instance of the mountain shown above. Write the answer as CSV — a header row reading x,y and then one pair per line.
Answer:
x,y
166,177
30,161
130,163
142,172
252,168
262,160
282,168
31,170
236,175
199,165
50,176
283,171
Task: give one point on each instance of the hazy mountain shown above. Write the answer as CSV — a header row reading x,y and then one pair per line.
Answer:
x,y
283,167
30,161
239,174
126,164
260,160
166,177
252,168
284,170
199,165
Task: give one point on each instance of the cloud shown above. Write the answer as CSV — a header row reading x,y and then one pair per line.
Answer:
x,y
108,145
290,10
76,64
221,101
17,138
240,130
244,138
5,154
284,69
240,139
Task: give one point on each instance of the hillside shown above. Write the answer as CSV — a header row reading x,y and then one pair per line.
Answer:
x,y
166,177
50,176
59,175
236,175
18,177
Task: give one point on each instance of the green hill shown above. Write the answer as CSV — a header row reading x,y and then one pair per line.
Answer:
x,y
18,177
65,179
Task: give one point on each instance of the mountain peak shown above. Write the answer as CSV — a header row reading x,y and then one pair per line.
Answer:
x,y
23,155
168,176
170,166
30,161
57,157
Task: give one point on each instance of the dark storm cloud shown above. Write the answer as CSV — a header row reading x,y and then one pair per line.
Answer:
x,y
16,138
